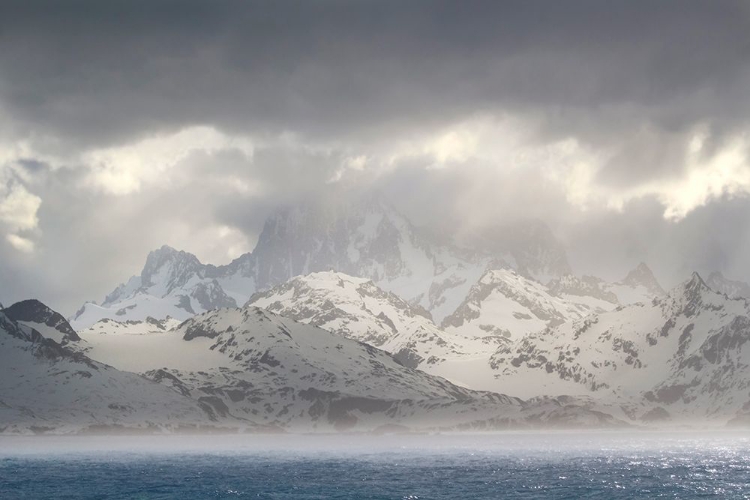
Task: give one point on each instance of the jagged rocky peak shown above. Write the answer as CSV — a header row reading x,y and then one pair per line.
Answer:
x,y
538,252
352,236
692,294
643,276
38,316
731,288
367,238
123,291
505,303
692,287
532,247
169,267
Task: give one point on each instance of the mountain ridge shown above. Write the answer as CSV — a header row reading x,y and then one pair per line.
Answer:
x,y
367,238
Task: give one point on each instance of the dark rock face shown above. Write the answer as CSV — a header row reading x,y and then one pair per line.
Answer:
x,y
586,286
657,414
643,276
41,347
34,311
212,296
365,239
408,358
196,330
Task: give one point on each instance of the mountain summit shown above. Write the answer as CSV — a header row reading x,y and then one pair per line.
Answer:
x,y
643,276
366,238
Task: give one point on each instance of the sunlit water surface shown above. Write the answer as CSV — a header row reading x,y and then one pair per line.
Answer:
x,y
506,465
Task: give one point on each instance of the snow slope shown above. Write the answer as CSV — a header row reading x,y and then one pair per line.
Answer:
x,y
45,387
357,309
684,356
505,305
283,373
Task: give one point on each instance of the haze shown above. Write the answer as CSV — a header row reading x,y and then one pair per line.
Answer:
x,y
127,126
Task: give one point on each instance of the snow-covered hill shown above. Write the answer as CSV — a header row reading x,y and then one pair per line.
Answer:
x,y
357,309
251,364
283,373
45,387
502,307
684,355
237,369
367,238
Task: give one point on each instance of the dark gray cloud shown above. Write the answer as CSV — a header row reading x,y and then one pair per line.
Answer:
x,y
313,84
107,71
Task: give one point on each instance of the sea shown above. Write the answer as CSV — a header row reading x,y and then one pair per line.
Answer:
x,y
523,465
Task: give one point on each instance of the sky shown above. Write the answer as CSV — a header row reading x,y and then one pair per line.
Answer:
x,y
128,125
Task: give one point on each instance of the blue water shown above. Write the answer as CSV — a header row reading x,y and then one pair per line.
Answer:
x,y
523,465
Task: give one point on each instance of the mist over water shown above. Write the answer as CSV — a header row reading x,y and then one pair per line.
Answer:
x,y
508,465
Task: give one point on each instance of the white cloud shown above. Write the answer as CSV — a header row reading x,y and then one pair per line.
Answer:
x,y
725,173
125,169
349,164
18,208
20,243
18,212
703,178
508,144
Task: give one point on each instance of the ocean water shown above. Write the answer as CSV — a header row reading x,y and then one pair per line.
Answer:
x,y
505,465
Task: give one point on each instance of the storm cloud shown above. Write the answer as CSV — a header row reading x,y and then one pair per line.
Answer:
x,y
127,125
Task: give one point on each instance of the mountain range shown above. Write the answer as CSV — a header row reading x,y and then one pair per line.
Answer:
x,y
233,370
367,238
349,318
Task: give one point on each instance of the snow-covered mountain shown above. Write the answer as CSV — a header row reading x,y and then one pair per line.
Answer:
x,y
46,387
238,369
173,283
731,288
639,285
283,373
683,355
504,305
366,238
33,315
357,309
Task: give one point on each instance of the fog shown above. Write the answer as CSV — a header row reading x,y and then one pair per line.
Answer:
x,y
622,127
547,443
